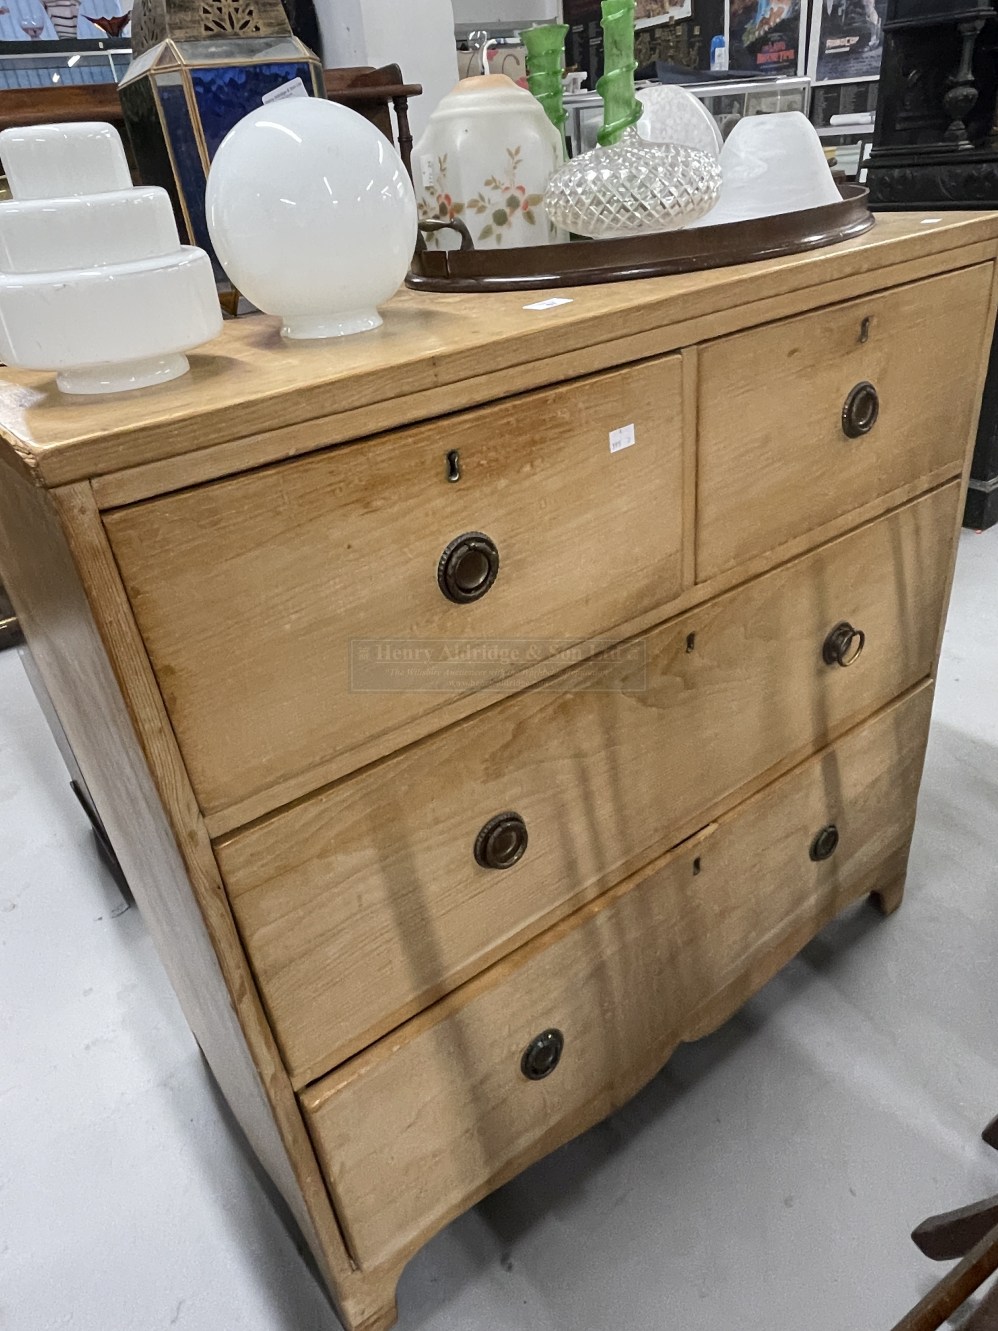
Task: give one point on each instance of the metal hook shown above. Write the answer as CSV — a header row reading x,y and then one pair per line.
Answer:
x,y
490,41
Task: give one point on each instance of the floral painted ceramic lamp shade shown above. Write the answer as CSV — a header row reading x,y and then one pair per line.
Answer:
x,y
198,67
499,205
485,160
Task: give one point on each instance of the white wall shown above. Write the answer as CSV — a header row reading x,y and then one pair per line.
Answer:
x,y
506,11
416,34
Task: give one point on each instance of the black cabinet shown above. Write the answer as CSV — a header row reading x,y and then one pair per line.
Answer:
x,y
936,148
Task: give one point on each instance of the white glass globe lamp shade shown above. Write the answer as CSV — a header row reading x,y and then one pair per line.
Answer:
x,y
312,216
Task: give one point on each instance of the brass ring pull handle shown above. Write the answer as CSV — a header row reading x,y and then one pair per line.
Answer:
x,y
542,1055
501,842
824,844
844,645
468,567
860,410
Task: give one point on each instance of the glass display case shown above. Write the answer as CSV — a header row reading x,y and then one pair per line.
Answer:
x,y
728,101
844,115
62,64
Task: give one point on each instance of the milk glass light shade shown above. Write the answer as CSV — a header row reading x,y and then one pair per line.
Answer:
x,y
670,114
312,216
94,282
772,164
84,158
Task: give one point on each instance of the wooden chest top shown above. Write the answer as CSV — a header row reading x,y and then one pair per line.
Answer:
x,y
252,398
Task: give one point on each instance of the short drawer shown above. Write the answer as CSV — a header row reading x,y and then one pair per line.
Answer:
x,y
803,421
424,1124
297,613
363,904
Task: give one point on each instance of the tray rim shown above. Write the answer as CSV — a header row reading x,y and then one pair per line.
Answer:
x,y
663,254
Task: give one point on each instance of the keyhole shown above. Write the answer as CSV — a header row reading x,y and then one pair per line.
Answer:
x,y
864,331
453,466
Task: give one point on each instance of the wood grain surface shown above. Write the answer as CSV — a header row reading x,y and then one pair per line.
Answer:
x,y
335,946
773,458
88,653
128,479
425,1123
294,614
360,906
438,353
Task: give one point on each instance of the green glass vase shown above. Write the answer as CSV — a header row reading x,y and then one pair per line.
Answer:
x,y
546,69
621,108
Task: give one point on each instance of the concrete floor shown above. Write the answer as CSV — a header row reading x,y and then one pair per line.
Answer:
x,y
767,1179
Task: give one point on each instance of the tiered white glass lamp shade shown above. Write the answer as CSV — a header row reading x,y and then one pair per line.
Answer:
x,y
94,282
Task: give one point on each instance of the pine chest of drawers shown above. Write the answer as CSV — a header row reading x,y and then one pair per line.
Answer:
x,y
482,707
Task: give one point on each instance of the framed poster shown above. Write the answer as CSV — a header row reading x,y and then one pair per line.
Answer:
x,y
766,36
648,13
846,40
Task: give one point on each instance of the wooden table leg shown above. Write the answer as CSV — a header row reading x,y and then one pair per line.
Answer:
x,y
985,1315
888,899
955,1288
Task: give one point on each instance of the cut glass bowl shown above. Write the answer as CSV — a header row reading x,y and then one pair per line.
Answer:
x,y
633,188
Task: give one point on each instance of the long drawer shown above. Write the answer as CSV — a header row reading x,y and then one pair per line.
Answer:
x,y
294,614
361,905
805,420
425,1123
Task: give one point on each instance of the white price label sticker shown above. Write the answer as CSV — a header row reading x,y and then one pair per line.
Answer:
x,y
294,88
427,169
550,303
622,438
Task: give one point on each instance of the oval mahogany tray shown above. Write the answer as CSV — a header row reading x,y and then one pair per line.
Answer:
x,y
585,262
